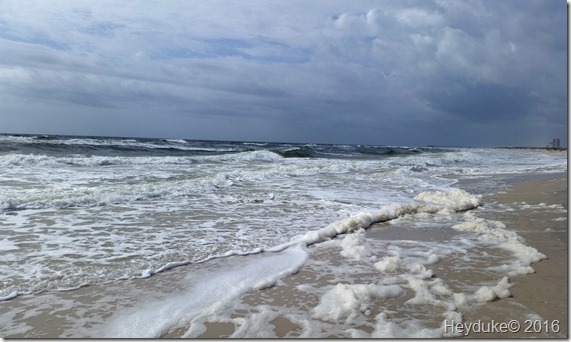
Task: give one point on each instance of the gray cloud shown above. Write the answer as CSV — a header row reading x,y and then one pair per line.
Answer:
x,y
480,102
386,72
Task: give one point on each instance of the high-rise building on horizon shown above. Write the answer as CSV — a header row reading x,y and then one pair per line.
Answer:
x,y
556,143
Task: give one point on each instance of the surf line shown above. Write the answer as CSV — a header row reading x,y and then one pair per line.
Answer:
x,y
431,202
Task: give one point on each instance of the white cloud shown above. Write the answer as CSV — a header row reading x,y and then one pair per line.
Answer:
x,y
416,17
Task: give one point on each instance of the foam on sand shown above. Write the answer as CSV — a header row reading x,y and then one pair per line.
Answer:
x,y
407,269
208,297
430,202
496,231
412,329
346,302
484,294
355,246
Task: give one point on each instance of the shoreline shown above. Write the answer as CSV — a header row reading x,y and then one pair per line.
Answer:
x,y
551,274
282,308
544,292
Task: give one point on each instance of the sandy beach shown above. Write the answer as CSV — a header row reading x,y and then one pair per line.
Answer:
x,y
544,292
280,309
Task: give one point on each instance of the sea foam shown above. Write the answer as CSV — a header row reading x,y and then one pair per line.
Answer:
x,y
213,294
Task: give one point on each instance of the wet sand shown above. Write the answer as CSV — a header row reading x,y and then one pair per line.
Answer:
x,y
544,292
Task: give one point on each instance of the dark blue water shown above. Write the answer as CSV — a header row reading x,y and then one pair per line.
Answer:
x,y
58,145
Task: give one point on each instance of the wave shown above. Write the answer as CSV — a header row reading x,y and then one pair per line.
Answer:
x,y
391,151
45,137
58,145
431,202
445,202
296,152
33,160
123,191
87,181
428,202
350,151
176,141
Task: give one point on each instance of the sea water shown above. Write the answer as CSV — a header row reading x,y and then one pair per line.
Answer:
x,y
172,216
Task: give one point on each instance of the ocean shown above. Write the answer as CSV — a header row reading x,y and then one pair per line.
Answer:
x,y
173,235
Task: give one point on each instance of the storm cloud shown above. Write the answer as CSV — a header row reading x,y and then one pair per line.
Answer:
x,y
482,73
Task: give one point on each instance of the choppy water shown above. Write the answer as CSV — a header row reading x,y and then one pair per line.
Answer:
x,y
76,211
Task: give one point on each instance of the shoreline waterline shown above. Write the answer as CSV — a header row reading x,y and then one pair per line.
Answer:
x,y
300,288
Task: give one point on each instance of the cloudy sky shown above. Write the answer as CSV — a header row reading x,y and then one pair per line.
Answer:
x,y
479,73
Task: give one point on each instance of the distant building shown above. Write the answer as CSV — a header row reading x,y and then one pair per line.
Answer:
x,y
555,144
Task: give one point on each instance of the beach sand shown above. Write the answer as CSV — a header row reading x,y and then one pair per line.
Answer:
x,y
543,293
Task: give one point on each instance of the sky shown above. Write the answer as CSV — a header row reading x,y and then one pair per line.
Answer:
x,y
413,73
